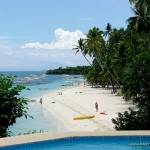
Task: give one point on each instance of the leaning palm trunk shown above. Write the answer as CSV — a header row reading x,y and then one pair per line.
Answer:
x,y
95,42
99,60
86,59
81,47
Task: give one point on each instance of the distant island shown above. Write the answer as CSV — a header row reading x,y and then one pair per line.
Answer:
x,y
69,70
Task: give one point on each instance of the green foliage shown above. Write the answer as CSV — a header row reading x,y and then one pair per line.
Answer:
x,y
136,88
137,80
69,70
126,121
32,132
12,106
122,59
133,120
93,76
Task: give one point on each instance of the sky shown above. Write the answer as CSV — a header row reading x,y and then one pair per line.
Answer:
x,y
40,34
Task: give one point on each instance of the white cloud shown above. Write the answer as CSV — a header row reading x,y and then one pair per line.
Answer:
x,y
40,56
64,40
38,59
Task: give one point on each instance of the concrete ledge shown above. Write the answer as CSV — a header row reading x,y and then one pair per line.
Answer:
x,y
22,139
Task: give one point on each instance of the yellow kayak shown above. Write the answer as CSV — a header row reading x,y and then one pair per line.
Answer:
x,y
83,117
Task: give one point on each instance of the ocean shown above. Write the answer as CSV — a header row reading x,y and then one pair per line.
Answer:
x,y
39,83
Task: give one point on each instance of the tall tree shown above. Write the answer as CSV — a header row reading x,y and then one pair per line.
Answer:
x,y
82,47
142,5
97,46
108,30
136,88
141,21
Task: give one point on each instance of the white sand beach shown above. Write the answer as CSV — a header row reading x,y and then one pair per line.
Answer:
x,y
79,101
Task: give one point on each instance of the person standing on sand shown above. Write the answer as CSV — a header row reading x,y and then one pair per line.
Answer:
x,y
96,106
41,100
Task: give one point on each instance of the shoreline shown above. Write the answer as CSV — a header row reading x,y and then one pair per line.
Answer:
x,y
79,101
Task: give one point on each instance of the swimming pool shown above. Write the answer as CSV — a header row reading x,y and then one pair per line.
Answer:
x,y
88,143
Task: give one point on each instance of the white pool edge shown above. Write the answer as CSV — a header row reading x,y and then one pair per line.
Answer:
x,y
23,139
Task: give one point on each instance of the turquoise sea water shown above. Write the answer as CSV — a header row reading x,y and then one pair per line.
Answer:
x,y
39,84
89,143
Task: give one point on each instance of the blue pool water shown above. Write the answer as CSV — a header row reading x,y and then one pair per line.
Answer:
x,y
87,143
39,83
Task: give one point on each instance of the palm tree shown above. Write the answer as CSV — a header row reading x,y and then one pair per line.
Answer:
x,y
81,47
97,47
137,81
108,30
140,24
141,21
95,44
142,5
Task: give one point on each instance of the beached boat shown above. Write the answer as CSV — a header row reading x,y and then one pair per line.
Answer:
x,y
83,117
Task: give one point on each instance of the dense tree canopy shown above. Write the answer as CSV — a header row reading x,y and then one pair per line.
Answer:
x,y
122,59
68,70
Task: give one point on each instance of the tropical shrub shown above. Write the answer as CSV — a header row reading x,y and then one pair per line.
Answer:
x,y
12,105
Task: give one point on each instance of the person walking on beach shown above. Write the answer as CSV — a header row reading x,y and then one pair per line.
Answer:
x,y
41,100
96,106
